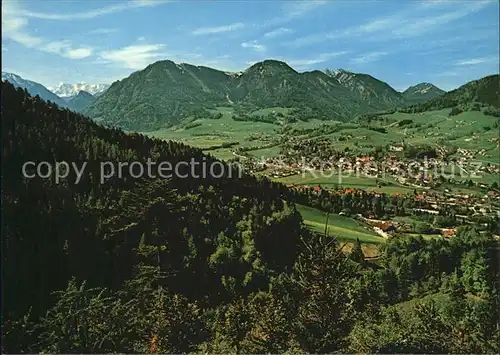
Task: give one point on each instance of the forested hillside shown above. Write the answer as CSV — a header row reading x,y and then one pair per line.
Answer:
x,y
165,93
421,93
480,93
212,265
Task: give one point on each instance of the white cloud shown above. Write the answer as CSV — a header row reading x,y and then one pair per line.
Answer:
x,y
64,49
368,57
295,9
86,15
79,53
299,8
55,47
278,32
475,61
324,57
254,46
136,56
417,27
15,28
140,39
99,31
436,3
401,25
220,29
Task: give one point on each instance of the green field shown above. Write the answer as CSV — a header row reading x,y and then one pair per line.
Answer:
x,y
261,140
330,179
465,130
215,132
344,228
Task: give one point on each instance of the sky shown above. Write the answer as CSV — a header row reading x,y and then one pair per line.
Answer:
x,y
445,42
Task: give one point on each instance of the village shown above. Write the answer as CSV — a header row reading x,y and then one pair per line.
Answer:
x,y
435,184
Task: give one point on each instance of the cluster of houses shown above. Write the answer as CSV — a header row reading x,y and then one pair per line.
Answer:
x,y
408,172
431,203
393,229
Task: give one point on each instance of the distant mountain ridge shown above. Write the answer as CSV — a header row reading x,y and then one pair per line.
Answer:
x,y
421,93
166,92
76,102
34,88
80,101
484,91
68,90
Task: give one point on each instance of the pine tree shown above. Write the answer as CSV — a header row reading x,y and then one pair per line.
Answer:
x,y
357,252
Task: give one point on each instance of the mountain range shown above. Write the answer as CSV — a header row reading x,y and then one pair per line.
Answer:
x,y
34,88
76,102
69,90
164,93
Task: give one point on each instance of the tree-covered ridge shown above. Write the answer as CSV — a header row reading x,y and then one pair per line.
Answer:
x,y
204,228
212,265
421,93
164,93
482,92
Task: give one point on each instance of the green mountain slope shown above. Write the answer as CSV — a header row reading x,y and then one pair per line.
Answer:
x,y
161,94
273,83
421,93
484,92
80,101
164,93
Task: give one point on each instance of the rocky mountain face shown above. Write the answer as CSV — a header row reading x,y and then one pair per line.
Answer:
x,y
368,89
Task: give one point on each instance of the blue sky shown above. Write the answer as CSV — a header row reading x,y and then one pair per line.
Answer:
x,y
445,42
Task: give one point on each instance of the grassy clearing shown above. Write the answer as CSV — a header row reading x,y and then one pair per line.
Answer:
x,y
344,228
211,132
369,250
331,180
441,300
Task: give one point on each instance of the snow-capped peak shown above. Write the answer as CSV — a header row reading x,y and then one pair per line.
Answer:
x,y
16,80
65,89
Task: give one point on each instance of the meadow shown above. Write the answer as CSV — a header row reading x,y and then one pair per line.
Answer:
x,y
222,138
331,179
342,227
